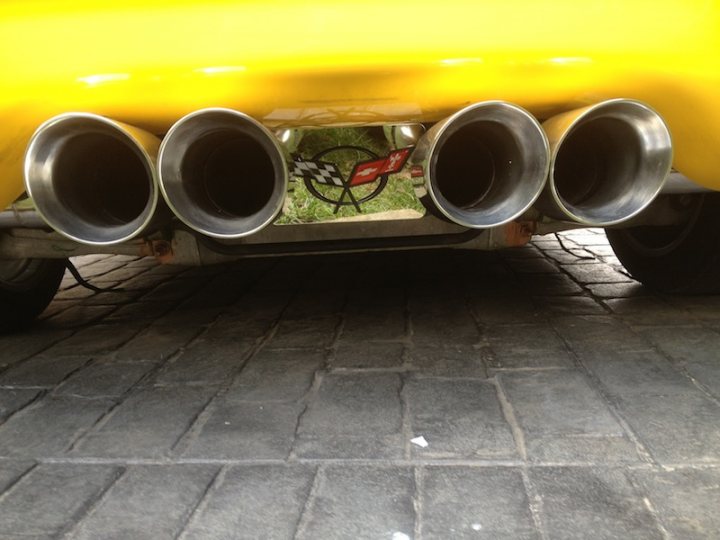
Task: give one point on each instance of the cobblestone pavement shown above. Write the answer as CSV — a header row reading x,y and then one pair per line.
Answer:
x,y
278,399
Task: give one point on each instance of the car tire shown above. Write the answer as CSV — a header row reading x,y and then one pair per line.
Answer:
x,y
26,288
680,259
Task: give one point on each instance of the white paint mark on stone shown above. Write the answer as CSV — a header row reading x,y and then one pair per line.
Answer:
x,y
476,527
420,441
400,536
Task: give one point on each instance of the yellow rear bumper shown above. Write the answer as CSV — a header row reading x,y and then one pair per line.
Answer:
x,y
290,63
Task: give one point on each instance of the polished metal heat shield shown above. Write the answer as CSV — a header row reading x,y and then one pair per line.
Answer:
x,y
222,173
485,165
92,179
608,162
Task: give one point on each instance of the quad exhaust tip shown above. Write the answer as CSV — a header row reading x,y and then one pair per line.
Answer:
x,y
608,162
222,173
485,165
92,179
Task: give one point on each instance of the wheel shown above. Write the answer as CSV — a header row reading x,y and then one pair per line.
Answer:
x,y
26,288
683,258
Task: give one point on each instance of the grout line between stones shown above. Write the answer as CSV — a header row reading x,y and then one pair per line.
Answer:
x,y
87,509
215,482
305,513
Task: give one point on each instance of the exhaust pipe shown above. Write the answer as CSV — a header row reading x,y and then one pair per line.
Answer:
x,y
608,162
485,165
92,179
222,173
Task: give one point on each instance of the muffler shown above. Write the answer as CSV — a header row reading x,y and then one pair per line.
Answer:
x,y
222,173
92,179
485,165
607,163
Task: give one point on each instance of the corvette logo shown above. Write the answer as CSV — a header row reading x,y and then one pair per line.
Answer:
x,y
316,172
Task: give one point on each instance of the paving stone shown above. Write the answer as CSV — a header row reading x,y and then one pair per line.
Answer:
x,y
147,424
187,316
527,345
18,347
603,251
14,399
439,318
257,304
550,285
139,311
564,419
147,502
12,471
165,381
244,431
55,307
103,378
248,502
317,333
475,502
368,355
569,305
459,419
174,290
52,497
353,416
48,426
696,349
678,428
311,304
43,370
206,361
238,327
617,290
532,266
580,502
95,339
74,292
377,324
157,343
494,286
646,310
597,337
595,273
375,301
80,315
640,373
277,375
506,309
362,502
706,308
102,267
448,361
686,500
575,256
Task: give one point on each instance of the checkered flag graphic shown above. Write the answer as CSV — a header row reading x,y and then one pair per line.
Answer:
x,y
323,173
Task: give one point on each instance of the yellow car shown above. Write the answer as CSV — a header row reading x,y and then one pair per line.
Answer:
x,y
175,129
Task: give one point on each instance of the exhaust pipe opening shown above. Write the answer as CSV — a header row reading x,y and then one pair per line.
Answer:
x,y
486,165
609,162
475,165
92,179
222,173
209,174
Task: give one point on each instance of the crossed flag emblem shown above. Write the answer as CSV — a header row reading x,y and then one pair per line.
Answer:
x,y
364,172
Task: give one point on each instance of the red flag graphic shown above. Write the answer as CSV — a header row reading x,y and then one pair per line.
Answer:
x,y
367,172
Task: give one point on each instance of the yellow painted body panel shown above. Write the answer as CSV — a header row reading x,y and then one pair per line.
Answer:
x,y
325,62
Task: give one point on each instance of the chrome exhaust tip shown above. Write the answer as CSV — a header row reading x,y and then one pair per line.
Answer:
x,y
92,179
608,162
485,165
223,173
